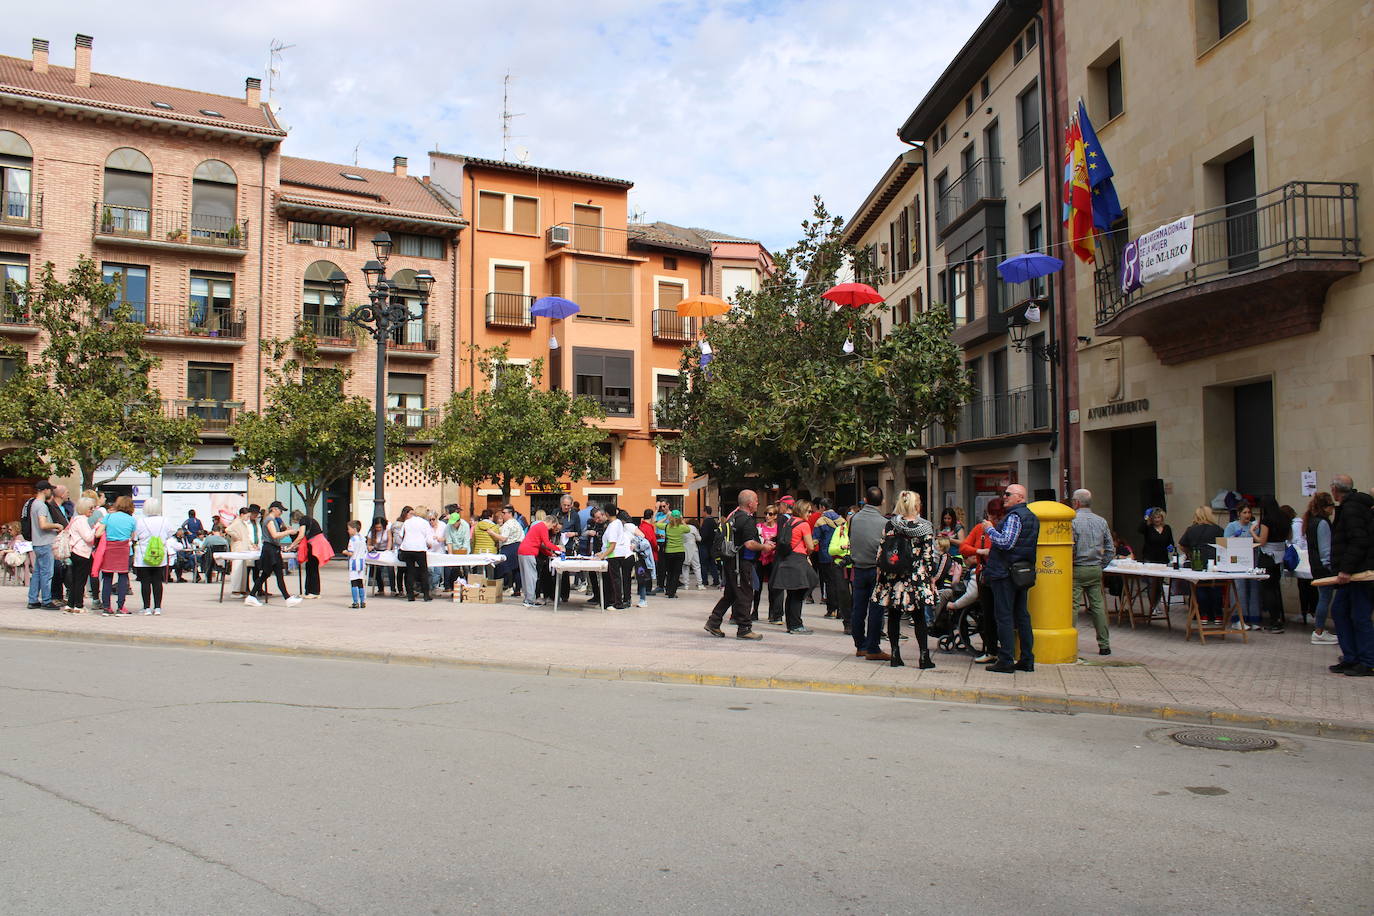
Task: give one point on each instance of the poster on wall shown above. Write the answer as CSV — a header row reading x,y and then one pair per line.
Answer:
x,y
223,506
1309,482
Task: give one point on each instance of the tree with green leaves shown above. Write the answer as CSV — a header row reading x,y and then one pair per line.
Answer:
x,y
781,390
86,399
310,434
782,396
514,429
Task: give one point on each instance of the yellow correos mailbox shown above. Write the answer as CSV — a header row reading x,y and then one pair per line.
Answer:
x,y
1051,598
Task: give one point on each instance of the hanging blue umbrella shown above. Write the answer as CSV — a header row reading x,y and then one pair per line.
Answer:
x,y
1023,268
554,307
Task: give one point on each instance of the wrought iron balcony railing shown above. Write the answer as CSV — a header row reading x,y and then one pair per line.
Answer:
x,y
331,329
171,227
670,326
509,310
415,337
1029,153
191,320
214,415
981,183
418,422
21,209
1298,220
1015,412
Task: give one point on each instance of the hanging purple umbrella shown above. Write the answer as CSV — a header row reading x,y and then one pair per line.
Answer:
x,y
554,307
1023,268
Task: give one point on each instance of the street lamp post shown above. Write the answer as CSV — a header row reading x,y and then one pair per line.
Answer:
x,y
385,310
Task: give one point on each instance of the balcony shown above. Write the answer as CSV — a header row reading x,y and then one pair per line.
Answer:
x,y
672,327
977,188
172,230
655,422
615,405
334,335
14,315
1028,151
418,422
182,323
321,235
214,415
989,302
1261,271
417,339
509,310
1016,416
21,214
583,238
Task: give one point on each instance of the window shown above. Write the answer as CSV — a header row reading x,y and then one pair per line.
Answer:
x,y
16,178
1231,15
410,334
902,243
1035,241
902,314
606,376
320,311
405,399
587,227
209,381
128,193
9,367
131,285
321,235
968,107
669,263
958,297
670,468
916,231
984,89
498,212
421,246
664,387
944,134
212,300
668,293
920,301
734,279
1001,404
214,200
1030,37
14,281
1106,98
1028,123
604,290
1018,50
605,472
977,285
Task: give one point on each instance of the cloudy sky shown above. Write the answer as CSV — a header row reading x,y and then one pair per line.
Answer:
x,y
729,115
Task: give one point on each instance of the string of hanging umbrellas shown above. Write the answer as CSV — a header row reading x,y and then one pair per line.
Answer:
x,y
1021,268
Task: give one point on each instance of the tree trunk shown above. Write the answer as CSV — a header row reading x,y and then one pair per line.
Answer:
x,y
505,489
813,479
896,465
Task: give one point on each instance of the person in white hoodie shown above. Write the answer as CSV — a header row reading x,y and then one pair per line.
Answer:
x,y
152,575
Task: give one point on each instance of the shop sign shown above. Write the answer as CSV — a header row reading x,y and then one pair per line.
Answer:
x,y
546,488
1140,405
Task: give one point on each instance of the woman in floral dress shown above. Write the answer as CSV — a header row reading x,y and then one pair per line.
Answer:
x,y
914,592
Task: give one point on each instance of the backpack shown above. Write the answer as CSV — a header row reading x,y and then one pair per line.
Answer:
x,y
725,546
782,541
26,520
839,541
155,552
895,556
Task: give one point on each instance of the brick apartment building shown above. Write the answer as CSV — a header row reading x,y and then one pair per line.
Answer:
x,y
219,242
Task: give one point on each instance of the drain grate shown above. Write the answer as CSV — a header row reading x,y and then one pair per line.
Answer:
x,y
1223,741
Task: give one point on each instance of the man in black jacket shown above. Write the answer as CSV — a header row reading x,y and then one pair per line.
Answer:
x,y
1352,551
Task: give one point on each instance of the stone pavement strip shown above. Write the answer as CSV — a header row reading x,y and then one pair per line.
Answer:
x,y
1277,682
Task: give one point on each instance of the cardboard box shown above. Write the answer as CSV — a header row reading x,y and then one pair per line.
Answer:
x,y
1235,554
483,594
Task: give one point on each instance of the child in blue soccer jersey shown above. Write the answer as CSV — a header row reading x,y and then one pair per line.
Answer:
x,y
357,564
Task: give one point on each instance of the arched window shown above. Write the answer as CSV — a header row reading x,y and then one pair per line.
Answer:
x,y
214,200
127,209
319,310
411,335
16,178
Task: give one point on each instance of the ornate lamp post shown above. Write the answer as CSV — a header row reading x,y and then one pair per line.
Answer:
x,y
387,309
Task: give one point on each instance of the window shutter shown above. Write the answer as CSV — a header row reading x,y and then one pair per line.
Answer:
x,y
526,217
491,211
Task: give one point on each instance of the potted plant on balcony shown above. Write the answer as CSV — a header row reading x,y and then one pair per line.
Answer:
x,y
106,219
175,235
234,235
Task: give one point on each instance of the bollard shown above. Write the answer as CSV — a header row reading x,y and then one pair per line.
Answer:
x,y
1051,598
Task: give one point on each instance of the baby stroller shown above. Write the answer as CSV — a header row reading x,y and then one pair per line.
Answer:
x,y
958,617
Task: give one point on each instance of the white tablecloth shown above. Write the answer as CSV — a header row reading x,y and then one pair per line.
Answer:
x,y
441,559
1190,575
576,564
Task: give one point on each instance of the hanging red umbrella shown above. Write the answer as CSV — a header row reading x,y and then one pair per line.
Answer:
x,y
854,295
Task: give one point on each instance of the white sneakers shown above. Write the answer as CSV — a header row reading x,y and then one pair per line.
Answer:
x,y
642,603
293,601
157,612
147,612
1323,639
251,601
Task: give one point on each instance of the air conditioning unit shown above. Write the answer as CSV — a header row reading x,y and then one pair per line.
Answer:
x,y
560,235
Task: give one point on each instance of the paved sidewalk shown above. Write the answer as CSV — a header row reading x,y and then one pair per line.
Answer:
x,y
1277,682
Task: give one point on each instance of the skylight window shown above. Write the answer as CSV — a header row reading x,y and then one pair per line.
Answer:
x,y
163,105
352,177
211,113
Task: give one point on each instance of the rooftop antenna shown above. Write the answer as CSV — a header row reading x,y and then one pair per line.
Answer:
x,y
355,151
274,58
506,117
523,155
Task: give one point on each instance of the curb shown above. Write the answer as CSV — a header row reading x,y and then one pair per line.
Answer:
x,y
1034,702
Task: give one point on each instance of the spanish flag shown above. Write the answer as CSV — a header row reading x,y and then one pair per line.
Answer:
x,y
1078,200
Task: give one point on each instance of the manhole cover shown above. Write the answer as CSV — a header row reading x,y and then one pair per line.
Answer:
x,y
1223,741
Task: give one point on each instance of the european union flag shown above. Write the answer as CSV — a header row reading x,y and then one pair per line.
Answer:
x,y
1106,205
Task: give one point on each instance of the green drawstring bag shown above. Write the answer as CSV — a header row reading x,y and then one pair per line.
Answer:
x,y
839,542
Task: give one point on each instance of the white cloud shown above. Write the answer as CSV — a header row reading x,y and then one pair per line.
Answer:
x,y
727,115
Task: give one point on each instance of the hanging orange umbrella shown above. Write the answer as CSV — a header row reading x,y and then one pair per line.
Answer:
x,y
702,306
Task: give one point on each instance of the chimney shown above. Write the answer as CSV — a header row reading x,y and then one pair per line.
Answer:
x,y
398,165
40,55
252,91
83,60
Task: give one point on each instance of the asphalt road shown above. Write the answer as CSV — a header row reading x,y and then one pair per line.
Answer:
x,y
152,780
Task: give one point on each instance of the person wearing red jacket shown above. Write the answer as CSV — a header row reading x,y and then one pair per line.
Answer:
x,y
968,548
538,542
651,532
